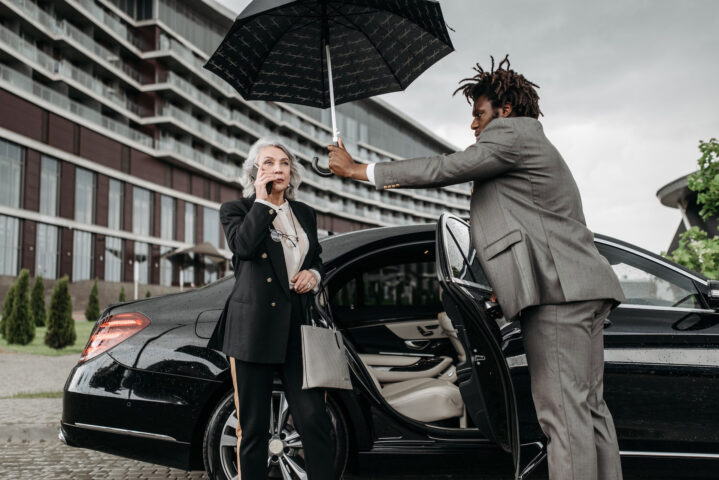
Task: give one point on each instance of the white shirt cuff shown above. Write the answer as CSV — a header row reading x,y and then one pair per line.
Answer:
x,y
316,288
265,202
370,172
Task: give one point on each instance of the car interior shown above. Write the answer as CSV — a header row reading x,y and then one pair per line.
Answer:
x,y
388,306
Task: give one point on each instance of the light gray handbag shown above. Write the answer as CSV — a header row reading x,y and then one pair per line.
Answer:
x,y
324,362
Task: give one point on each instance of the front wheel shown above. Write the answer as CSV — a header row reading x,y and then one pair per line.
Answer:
x,y
285,454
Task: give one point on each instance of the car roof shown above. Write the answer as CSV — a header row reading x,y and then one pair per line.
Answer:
x,y
335,246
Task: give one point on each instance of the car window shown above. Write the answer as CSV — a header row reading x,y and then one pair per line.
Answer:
x,y
646,282
461,258
406,277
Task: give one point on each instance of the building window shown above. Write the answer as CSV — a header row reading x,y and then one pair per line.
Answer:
x,y
84,195
9,244
167,228
189,271
113,259
141,211
211,234
115,203
46,251
49,181
11,167
142,262
82,256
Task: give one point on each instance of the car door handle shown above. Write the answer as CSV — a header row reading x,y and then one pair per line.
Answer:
x,y
417,344
427,330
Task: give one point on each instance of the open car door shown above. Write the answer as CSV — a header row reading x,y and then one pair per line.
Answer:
x,y
483,378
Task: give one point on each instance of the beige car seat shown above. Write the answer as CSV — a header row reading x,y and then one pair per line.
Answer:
x,y
422,399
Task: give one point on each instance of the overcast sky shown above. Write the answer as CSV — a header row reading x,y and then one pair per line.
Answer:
x,y
628,88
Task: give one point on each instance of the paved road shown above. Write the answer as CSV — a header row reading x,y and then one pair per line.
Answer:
x,y
29,448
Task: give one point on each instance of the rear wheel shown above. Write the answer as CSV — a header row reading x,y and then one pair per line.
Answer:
x,y
285,454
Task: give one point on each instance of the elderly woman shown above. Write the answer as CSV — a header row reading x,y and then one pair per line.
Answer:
x,y
277,263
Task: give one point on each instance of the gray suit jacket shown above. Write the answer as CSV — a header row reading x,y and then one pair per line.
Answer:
x,y
525,213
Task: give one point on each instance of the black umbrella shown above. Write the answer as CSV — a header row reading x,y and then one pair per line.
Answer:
x,y
295,51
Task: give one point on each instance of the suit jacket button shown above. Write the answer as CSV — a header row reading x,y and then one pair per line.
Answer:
x,y
271,211
273,304
269,279
264,255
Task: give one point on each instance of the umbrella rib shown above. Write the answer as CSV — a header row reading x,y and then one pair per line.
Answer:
x,y
357,28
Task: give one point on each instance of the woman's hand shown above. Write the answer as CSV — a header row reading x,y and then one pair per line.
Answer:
x,y
263,178
304,281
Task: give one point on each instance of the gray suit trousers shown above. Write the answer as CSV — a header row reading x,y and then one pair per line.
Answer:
x,y
564,345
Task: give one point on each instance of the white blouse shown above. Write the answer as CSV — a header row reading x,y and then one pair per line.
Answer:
x,y
286,222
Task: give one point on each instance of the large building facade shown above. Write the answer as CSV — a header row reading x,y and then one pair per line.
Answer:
x,y
117,147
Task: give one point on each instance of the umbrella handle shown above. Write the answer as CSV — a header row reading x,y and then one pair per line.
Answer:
x,y
322,172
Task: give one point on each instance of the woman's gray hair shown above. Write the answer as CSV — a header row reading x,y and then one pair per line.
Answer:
x,y
296,169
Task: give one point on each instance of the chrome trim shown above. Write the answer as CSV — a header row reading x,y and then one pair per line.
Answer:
x,y
700,357
408,354
630,453
61,436
122,431
659,307
653,259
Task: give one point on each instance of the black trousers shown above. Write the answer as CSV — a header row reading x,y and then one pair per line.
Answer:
x,y
253,393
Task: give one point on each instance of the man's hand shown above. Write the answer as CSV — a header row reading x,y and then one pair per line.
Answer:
x,y
342,165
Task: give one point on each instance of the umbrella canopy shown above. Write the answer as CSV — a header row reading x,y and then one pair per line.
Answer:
x,y
284,50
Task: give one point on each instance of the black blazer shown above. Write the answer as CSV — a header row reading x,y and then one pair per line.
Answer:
x,y
254,325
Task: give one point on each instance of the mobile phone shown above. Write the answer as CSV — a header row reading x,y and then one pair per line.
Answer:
x,y
253,176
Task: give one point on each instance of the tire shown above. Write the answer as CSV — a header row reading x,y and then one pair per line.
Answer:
x,y
219,448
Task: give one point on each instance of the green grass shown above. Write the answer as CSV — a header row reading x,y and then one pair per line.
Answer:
x,y
38,347
36,395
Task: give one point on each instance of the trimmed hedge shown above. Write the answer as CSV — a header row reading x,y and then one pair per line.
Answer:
x,y
20,328
7,310
37,302
92,312
60,325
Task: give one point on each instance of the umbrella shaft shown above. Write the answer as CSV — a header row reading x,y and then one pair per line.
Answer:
x,y
335,133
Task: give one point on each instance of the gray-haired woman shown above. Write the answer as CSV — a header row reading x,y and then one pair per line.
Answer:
x,y
276,258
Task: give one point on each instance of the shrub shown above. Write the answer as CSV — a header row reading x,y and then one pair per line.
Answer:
x,y
20,328
122,294
60,325
7,310
148,294
92,312
37,302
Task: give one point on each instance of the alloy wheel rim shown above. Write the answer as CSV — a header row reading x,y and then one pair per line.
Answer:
x,y
285,455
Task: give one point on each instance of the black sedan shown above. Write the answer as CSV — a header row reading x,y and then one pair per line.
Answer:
x,y
437,370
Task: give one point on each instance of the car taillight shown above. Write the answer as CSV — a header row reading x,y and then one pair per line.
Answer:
x,y
112,330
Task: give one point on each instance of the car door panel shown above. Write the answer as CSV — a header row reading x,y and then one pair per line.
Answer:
x,y
483,378
661,361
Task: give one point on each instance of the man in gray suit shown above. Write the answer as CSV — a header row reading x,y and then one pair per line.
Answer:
x,y
531,238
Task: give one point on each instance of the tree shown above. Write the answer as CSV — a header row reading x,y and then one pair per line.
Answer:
x,y
20,328
7,310
60,325
122,294
696,250
92,312
37,302
706,180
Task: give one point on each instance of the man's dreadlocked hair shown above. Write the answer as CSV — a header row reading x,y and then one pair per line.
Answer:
x,y
502,86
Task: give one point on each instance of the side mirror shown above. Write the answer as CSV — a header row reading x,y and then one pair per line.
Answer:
x,y
713,295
